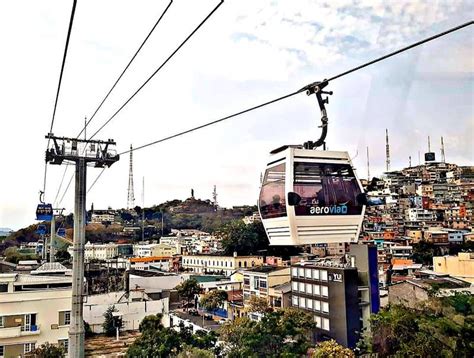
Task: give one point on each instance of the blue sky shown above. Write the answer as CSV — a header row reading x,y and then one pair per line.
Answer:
x,y
249,52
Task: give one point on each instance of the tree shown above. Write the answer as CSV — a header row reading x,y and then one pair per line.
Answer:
x,y
440,327
12,255
188,290
330,349
193,352
111,322
62,256
281,333
213,300
244,239
158,341
47,351
258,304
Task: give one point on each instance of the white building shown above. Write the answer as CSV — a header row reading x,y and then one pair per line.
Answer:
x,y
216,263
102,217
415,214
149,250
99,252
34,309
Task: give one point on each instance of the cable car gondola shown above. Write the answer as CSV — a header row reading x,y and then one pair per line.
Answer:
x,y
311,196
41,230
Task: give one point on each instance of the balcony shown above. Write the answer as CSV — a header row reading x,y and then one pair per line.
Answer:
x,y
18,331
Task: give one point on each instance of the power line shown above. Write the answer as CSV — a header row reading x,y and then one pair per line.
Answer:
x,y
71,20
126,67
159,68
305,87
95,181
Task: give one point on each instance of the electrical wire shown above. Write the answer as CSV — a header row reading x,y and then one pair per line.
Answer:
x,y
95,181
158,69
304,88
71,20
126,68
112,88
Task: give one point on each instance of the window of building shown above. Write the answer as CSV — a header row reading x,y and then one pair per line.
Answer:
x,y
263,284
65,344
28,347
317,290
3,287
245,263
300,271
317,320
2,351
294,271
309,303
325,322
302,302
67,318
324,291
2,324
294,300
308,273
317,305
309,288
315,274
324,275
256,283
301,286
294,286
246,281
240,264
325,307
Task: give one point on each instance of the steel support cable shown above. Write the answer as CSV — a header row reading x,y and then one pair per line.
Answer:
x,y
115,84
305,87
71,20
159,68
126,68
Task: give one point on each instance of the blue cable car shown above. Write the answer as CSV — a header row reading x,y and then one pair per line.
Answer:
x,y
41,230
44,212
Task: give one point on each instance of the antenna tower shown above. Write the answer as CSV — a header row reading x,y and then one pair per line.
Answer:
x,y
214,197
429,144
131,195
387,152
368,165
443,157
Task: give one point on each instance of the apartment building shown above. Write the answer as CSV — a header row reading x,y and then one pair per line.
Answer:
x,y
416,214
149,250
34,309
101,217
99,252
340,296
217,264
460,266
266,282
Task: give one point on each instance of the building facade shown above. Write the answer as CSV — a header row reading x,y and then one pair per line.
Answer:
x,y
460,266
33,310
218,264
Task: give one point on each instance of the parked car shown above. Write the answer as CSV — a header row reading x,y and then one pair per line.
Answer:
x,y
208,316
221,321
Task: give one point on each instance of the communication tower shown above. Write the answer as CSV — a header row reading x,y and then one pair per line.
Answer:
x,y
443,157
387,152
214,197
131,195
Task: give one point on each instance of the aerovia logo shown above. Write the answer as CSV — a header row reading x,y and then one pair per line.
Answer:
x,y
334,210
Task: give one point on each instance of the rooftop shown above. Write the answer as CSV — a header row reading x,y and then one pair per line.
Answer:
x,y
265,269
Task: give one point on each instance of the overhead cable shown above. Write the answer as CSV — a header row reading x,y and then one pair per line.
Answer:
x,y
304,89
126,67
158,69
71,20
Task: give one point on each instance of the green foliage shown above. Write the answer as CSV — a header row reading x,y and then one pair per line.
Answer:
x,y
47,351
330,349
88,330
14,256
188,289
258,304
62,256
111,322
157,341
213,299
282,333
244,239
151,323
193,352
423,252
441,327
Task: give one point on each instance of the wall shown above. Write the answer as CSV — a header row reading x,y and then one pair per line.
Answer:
x,y
132,312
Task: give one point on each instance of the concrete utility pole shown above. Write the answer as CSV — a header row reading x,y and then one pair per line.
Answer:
x,y
53,232
80,152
